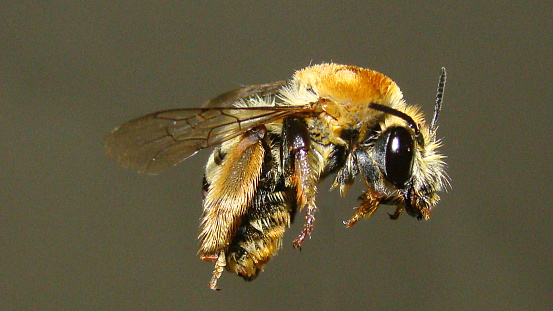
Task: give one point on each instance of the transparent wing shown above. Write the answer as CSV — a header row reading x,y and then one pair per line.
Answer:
x,y
229,98
158,141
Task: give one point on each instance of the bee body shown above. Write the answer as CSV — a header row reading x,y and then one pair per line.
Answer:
x,y
275,142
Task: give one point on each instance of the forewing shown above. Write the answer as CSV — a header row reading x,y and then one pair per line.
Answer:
x,y
158,141
229,98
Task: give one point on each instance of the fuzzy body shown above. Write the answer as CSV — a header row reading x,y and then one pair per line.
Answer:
x,y
339,123
276,141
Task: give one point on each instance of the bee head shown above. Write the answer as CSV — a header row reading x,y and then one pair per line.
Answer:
x,y
400,160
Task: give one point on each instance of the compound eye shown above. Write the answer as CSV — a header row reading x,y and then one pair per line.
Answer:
x,y
399,156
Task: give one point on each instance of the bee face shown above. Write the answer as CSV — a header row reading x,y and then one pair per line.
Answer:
x,y
402,163
275,142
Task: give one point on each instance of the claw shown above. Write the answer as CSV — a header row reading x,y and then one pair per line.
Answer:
x,y
395,215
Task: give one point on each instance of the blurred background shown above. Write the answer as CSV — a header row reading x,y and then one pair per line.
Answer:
x,y
79,232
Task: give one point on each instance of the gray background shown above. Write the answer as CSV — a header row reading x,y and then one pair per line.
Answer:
x,y
78,232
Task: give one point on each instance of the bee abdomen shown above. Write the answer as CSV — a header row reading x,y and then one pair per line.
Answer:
x,y
260,235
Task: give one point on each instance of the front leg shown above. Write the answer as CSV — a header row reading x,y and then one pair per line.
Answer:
x,y
369,205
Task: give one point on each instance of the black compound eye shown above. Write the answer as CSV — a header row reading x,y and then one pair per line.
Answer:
x,y
399,156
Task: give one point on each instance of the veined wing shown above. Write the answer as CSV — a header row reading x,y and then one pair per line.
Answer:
x,y
229,98
158,141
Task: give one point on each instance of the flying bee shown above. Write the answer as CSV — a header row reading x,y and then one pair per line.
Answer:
x,y
275,142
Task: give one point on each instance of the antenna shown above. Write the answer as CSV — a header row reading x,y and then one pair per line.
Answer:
x,y
439,98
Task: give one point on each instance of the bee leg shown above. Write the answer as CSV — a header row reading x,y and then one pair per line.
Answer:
x,y
307,229
218,271
306,191
295,157
368,206
231,182
395,215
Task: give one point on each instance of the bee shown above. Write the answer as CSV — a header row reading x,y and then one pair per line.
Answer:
x,y
275,142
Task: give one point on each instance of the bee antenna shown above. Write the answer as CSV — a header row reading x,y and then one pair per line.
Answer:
x,y
439,98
